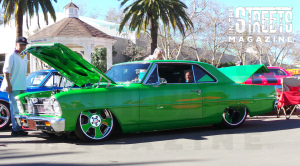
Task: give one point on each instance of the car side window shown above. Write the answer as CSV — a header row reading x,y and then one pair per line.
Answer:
x,y
201,75
176,73
153,79
49,82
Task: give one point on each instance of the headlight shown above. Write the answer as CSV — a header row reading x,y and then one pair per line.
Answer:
x,y
20,106
34,100
56,107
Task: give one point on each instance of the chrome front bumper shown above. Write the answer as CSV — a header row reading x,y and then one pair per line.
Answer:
x,y
56,124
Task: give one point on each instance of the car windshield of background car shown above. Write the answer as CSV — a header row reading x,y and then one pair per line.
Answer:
x,y
56,80
35,78
131,73
277,72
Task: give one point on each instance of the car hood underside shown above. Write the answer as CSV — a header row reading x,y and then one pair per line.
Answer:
x,y
68,63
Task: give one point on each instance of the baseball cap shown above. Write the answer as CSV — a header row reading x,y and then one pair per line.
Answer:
x,y
21,40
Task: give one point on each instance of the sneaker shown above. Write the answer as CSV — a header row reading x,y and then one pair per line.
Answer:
x,y
14,133
22,133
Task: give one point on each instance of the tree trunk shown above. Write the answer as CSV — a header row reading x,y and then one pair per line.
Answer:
x,y
154,30
19,20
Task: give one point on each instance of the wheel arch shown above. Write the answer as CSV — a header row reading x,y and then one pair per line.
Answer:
x,y
5,123
7,102
232,117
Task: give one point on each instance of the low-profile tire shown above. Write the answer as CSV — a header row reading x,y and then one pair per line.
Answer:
x,y
234,117
4,115
94,125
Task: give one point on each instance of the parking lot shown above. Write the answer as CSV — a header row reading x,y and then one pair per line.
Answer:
x,y
262,140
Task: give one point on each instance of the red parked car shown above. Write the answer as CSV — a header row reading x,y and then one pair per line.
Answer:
x,y
272,78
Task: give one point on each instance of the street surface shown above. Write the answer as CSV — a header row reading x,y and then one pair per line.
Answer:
x,y
262,140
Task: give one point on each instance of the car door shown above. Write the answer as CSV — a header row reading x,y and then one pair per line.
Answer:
x,y
212,92
170,102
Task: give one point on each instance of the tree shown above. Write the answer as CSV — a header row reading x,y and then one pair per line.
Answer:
x,y
196,13
133,52
19,8
99,58
85,11
1,16
114,15
144,13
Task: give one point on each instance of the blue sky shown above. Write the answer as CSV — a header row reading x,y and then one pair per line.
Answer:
x,y
104,5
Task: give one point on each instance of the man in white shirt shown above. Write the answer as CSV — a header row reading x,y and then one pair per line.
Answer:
x,y
14,83
157,55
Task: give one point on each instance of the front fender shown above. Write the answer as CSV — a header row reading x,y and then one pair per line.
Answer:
x,y
123,102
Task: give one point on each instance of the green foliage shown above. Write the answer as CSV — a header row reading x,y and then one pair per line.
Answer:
x,y
29,8
205,60
99,58
227,64
145,13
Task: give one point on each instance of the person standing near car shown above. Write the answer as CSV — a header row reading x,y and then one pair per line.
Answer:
x,y
14,83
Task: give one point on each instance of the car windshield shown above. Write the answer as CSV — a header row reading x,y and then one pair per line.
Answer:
x,y
134,72
277,72
35,78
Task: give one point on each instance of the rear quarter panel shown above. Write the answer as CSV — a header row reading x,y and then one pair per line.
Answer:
x,y
216,97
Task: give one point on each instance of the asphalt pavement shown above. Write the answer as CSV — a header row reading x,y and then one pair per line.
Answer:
x,y
261,140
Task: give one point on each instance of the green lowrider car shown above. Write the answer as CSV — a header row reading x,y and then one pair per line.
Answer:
x,y
138,96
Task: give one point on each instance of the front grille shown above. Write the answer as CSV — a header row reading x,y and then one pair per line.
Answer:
x,y
42,107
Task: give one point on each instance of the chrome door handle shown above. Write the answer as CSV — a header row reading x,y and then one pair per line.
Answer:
x,y
198,91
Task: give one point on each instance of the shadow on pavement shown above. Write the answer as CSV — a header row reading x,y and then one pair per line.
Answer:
x,y
251,125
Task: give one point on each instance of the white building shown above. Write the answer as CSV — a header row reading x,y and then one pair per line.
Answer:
x,y
81,34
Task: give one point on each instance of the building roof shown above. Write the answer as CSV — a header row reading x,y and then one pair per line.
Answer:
x,y
70,27
71,5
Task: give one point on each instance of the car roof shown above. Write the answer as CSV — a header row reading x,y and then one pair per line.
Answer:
x,y
153,61
274,67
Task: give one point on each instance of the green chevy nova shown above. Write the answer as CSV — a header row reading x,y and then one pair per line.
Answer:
x,y
139,96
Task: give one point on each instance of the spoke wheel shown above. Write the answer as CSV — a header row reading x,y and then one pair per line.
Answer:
x,y
4,115
234,116
94,125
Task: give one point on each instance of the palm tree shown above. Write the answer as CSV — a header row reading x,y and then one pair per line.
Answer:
x,y
19,8
145,12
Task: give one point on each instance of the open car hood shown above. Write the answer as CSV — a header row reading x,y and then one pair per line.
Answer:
x,y
68,63
240,74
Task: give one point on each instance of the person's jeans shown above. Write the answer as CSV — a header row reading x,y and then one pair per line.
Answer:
x,y
14,108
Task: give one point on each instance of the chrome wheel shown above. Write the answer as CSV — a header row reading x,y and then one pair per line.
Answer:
x,y
4,115
94,125
234,116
